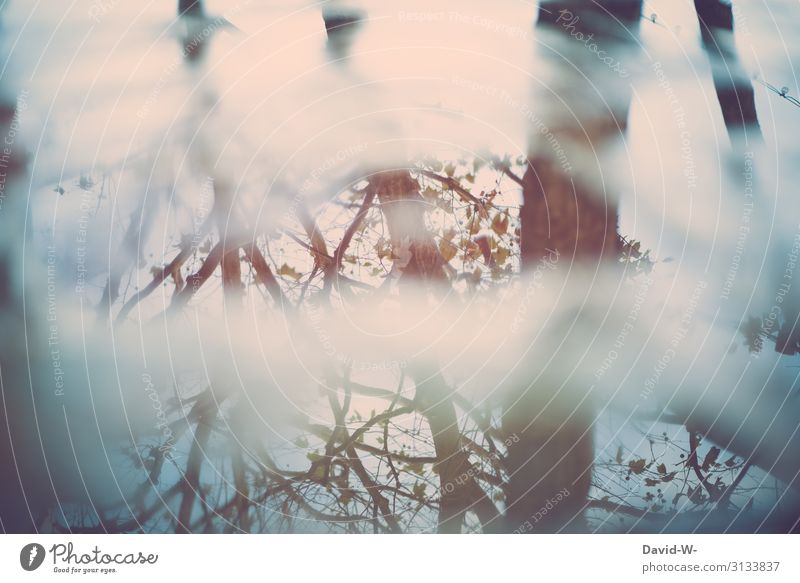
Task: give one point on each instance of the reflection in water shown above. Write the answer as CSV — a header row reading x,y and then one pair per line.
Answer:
x,y
354,267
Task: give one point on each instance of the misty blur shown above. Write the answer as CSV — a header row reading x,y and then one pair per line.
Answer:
x,y
351,267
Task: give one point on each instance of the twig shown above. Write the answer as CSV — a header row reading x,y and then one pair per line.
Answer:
x,y
338,255
264,273
191,477
453,185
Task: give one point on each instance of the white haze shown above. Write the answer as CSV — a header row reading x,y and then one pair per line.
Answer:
x,y
268,106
